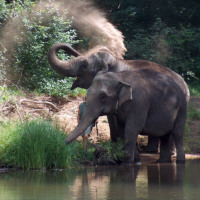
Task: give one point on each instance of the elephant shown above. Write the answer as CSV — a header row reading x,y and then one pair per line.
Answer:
x,y
86,67
144,102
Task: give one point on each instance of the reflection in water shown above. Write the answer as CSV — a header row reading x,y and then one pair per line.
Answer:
x,y
151,181
166,181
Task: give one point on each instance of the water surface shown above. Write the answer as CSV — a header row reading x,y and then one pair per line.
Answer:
x,y
146,181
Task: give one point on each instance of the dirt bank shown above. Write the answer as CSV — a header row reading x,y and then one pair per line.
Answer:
x,y
64,111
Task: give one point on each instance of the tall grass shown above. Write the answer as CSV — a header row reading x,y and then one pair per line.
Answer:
x,y
37,145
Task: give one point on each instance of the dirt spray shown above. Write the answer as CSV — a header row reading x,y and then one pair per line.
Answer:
x,y
87,19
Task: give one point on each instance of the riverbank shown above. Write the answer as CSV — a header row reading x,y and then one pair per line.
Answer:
x,y
64,112
146,158
152,158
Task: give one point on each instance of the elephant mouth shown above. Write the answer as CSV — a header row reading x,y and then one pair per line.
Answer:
x,y
74,85
112,112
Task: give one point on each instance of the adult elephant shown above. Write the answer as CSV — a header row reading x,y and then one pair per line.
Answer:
x,y
144,102
86,67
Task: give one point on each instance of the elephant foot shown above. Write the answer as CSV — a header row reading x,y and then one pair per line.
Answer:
x,y
151,149
164,161
180,161
137,161
130,163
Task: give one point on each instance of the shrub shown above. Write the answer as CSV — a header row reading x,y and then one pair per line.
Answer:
x,y
110,152
174,47
194,89
38,29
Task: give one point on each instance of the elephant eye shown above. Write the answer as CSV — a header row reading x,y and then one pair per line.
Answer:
x,y
78,77
84,66
103,96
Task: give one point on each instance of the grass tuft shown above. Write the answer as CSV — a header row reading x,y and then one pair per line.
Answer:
x,y
37,145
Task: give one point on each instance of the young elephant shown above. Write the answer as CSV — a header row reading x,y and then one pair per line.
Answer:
x,y
144,101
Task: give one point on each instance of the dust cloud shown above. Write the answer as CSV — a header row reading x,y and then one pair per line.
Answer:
x,y
87,19
92,23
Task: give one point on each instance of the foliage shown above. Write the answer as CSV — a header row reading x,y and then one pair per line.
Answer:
x,y
37,144
194,89
166,32
191,135
177,49
110,152
130,15
193,113
38,30
4,12
8,94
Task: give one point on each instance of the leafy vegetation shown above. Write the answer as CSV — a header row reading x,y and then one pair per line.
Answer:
x,y
194,89
192,135
37,144
166,32
150,29
38,30
193,113
111,152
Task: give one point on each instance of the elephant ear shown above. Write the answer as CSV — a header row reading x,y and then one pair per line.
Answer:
x,y
125,93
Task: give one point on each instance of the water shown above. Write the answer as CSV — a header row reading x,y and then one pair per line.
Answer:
x,y
146,181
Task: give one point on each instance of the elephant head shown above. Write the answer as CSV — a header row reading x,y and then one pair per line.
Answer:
x,y
83,67
107,92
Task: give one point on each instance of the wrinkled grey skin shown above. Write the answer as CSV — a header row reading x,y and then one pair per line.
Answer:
x,y
86,67
143,101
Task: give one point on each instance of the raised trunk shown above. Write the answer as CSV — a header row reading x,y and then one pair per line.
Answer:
x,y
66,68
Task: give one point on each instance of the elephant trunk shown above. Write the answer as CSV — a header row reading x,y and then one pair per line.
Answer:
x,y
89,116
66,68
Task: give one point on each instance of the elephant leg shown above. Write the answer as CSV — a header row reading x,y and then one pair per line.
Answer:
x,y
153,143
178,139
116,131
165,155
180,151
130,148
172,145
137,156
130,135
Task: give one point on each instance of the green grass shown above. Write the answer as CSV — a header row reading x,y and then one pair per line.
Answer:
x,y
9,93
194,89
193,113
77,92
191,138
37,145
